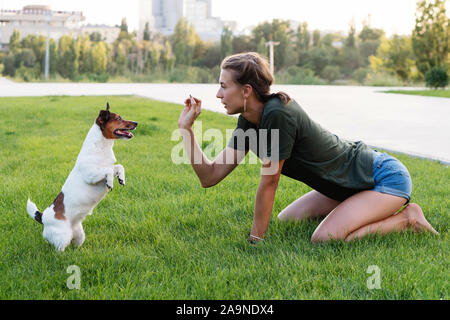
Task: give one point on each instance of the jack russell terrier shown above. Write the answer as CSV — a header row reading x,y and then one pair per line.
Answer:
x,y
87,184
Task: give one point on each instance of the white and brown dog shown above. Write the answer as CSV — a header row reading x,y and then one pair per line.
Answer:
x,y
87,184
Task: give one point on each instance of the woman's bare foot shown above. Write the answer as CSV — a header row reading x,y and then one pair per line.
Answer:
x,y
417,219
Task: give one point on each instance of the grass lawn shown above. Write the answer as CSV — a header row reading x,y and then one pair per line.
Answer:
x,y
162,236
428,93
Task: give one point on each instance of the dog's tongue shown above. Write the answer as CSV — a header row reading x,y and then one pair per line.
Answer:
x,y
124,133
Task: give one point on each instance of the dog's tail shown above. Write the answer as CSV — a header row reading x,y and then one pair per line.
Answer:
x,y
33,211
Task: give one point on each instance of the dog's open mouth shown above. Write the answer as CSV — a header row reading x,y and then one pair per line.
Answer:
x,y
124,133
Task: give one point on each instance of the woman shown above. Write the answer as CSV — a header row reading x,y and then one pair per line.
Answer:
x,y
357,189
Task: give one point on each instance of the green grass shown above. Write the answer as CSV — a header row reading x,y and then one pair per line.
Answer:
x,y
164,237
427,93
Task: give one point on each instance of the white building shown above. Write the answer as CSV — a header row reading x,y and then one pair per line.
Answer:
x,y
163,15
37,20
108,34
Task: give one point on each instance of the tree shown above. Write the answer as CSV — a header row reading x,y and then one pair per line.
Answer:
x,y
430,37
370,40
316,38
98,57
184,41
302,42
167,57
14,41
395,56
262,48
242,44
147,32
349,58
226,42
436,77
279,31
124,25
68,57
331,73
350,41
95,36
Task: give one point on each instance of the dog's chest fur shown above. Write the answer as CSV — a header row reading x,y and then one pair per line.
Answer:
x,y
81,197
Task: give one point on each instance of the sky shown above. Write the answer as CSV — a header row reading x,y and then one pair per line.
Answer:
x,y
393,16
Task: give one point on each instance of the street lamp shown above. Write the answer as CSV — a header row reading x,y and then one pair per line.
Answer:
x,y
270,44
48,16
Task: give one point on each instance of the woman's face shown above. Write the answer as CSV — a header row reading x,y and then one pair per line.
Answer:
x,y
230,93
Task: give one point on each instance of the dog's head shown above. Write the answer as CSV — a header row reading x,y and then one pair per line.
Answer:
x,y
113,126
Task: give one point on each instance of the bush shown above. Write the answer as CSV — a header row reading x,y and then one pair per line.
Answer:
x,y
331,73
28,74
360,75
297,75
100,77
8,65
381,79
436,77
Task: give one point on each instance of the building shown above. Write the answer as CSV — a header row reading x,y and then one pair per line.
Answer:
x,y
163,15
38,20
108,34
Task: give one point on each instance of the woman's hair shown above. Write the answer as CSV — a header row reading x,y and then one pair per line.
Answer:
x,y
250,68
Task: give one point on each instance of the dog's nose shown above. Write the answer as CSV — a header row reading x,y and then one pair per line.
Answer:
x,y
135,124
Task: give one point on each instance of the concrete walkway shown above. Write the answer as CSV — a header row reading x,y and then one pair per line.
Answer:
x,y
414,125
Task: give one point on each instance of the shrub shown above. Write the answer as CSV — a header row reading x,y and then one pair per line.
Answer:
x,y
28,74
381,79
436,77
360,75
100,77
297,75
331,73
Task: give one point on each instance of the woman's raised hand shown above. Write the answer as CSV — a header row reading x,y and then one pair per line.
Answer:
x,y
192,109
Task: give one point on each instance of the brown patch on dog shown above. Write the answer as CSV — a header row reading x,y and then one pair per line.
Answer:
x,y
109,122
58,207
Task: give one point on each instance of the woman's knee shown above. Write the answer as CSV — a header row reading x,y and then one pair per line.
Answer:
x,y
323,236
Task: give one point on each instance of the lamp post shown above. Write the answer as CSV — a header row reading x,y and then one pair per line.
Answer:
x,y
48,15
270,44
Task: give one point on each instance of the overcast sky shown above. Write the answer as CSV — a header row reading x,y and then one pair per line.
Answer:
x,y
393,16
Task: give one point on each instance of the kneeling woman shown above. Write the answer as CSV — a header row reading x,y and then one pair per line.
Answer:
x,y
358,190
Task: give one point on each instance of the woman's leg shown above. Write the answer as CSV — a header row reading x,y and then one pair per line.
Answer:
x,y
359,210
411,217
311,205
365,213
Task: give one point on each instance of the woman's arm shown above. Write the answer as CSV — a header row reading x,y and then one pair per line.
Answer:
x,y
265,196
209,172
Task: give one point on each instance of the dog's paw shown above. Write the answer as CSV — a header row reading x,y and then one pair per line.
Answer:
x,y
109,187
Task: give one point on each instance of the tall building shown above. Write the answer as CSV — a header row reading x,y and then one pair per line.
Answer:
x,y
37,20
163,15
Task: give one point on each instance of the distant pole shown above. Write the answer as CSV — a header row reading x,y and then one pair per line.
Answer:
x,y
47,45
270,44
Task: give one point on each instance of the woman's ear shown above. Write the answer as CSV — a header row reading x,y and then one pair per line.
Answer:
x,y
247,91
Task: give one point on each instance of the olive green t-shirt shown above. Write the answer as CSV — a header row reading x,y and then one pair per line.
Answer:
x,y
335,167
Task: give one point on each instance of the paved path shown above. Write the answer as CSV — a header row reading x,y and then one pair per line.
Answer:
x,y
414,125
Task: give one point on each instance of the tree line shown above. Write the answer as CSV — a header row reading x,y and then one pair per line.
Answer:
x,y
302,56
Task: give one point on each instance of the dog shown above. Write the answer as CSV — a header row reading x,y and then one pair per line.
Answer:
x,y
87,184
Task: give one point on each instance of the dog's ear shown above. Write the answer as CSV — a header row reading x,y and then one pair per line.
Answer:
x,y
107,106
104,115
103,118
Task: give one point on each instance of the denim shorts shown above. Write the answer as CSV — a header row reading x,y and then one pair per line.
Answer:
x,y
391,176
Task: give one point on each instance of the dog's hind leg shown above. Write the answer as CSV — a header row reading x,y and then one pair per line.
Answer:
x,y
78,234
58,235
119,172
